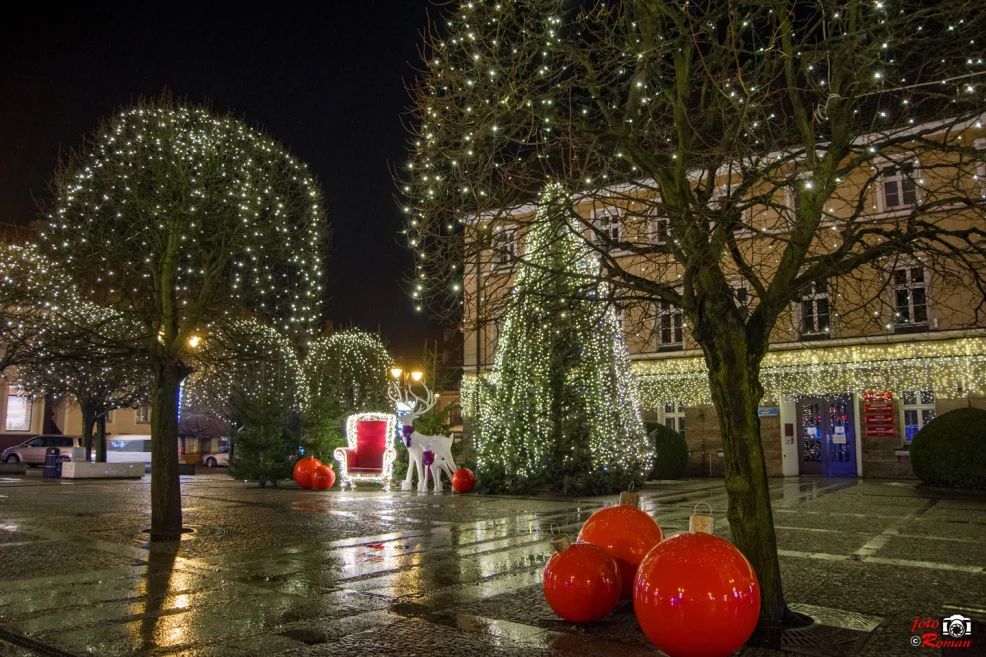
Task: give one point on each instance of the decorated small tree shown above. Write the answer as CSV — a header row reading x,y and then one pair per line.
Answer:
x,y
75,358
346,373
249,375
564,409
32,290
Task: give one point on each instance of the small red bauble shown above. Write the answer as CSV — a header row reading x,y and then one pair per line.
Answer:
x,y
626,533
463,480
696,580
581,582
303,471
323,477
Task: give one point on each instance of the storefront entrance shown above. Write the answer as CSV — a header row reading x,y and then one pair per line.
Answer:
x,y
826,436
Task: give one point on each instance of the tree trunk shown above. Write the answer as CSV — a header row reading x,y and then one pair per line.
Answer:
x,y
165,485
101,439
734,378
88,421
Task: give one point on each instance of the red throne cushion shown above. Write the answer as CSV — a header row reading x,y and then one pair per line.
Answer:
x,y
371,442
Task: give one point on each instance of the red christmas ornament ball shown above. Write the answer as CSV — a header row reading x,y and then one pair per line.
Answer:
x,y
627,534
581,583
304,469
463,480
323,477
696,580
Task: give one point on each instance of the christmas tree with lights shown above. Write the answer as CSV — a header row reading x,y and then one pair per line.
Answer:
x,y
563,411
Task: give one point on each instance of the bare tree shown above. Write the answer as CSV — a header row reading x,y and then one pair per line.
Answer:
x,y
727,159
181,218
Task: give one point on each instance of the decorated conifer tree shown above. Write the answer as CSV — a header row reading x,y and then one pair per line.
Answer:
x,y
564,408
248,374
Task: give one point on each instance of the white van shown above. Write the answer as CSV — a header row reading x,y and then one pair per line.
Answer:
x,y
128,449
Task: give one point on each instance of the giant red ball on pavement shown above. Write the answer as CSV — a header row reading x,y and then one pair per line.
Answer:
x,y
696,580
581,583
303,471
463,480
627,534
323,477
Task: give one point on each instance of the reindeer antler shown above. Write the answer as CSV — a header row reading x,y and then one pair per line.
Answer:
x,y
416,407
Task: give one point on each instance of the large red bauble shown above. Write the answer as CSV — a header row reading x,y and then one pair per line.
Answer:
x,y
581,584
696,580
323,477
463,480
627,534
304,469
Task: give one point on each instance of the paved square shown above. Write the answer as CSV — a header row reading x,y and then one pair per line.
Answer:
x,y
292,572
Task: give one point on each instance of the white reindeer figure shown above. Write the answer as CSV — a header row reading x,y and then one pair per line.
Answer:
x,y
419,446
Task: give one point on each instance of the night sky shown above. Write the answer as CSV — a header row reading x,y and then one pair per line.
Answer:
x,y
327,80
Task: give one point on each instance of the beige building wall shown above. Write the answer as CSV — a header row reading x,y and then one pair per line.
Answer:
x,y
862,311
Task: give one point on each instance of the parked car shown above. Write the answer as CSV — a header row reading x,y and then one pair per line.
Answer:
x,y
214,459
129,449
32,451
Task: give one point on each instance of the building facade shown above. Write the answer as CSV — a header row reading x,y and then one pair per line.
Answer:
x,y
23,418
853,372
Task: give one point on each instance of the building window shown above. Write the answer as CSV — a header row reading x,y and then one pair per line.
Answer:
x,y
143,414
898,187
662,230
674,417
19,411
918,409
910,297
668,325
815,311
503,246
607,227
109,416
744,300
981,167
621,320
794,193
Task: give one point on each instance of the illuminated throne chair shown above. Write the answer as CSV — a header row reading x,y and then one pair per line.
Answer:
x,y
371,454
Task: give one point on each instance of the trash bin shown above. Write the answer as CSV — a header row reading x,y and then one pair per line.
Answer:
x,y
53,464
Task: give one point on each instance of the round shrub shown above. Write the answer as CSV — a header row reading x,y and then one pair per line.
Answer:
x,y
670,453
950,451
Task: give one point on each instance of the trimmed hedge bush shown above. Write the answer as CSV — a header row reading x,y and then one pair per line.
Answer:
x,y
950,451
670,453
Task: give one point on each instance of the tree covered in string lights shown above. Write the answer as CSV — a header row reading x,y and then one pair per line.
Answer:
x,y
32,290
563,411
249,375
726,160
76,358
183,218
346,373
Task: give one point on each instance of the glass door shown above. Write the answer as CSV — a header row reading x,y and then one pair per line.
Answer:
x,y
811,455
826,436
841,442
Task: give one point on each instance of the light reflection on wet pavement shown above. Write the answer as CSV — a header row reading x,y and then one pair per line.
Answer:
x,y
291,572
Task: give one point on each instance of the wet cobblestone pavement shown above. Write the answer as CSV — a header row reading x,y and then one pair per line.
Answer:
x,y
292,572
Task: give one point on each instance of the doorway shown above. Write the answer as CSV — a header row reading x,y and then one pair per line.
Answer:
x,y
826,436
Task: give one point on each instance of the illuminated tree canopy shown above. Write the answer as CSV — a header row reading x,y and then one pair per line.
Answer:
x,y
185,220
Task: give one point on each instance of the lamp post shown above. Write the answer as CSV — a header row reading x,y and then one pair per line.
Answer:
x,y
403,377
